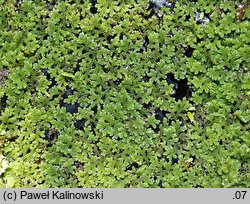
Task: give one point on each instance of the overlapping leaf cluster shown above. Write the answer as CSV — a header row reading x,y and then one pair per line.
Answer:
x,y
87,101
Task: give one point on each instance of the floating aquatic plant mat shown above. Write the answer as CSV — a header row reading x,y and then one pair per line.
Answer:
x,y
126,93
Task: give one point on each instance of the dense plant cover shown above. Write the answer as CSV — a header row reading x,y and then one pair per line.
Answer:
x,y
125,93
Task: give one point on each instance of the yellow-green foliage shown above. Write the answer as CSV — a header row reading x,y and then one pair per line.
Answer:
x,y
124,93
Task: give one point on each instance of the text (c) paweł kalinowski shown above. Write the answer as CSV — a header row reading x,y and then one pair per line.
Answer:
x,y
61,195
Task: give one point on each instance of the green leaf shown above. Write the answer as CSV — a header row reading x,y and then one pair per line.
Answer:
x,y
67,74
190,116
